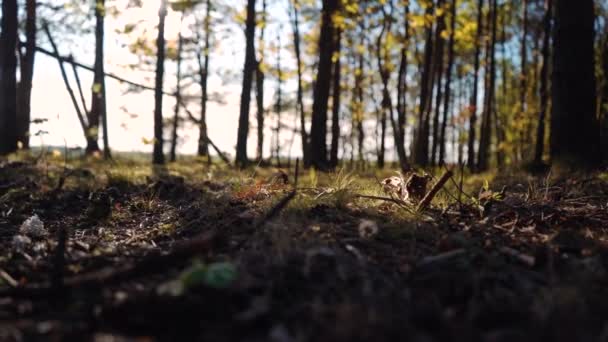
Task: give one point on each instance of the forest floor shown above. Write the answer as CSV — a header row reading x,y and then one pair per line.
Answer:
x,y
198,252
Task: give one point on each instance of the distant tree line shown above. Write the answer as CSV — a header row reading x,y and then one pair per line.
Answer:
x,y
482,83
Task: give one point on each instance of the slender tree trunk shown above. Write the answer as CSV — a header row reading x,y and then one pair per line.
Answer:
x,y
522,77
8,77
24,91
439,70
98,102
318,130
448,83
300,95
402,82
248,70
158,154
544,84
279,106
203,71
604,102
471,161
486,132
259,87
387,103
178,96
335,117
574,126
359,108
421,144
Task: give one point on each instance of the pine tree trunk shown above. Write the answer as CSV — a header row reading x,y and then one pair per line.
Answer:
x,y
24,91
158,154
248,70
523,78
471,161
574,127
203,71
544,85
448,83
259,89
335,117
486,127
178,97
8,77
300,95
439,70
318,130
421,143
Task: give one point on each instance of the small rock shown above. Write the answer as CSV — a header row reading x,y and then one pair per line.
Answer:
x,y
368,229
33,227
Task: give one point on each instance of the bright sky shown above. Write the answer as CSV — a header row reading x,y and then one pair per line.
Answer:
x,y
50,99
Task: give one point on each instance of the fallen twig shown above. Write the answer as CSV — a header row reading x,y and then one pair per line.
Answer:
x,y
434,190
529,260
441,257
283,202
8,278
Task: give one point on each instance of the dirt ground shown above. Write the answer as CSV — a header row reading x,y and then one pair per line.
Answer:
x,y
172,257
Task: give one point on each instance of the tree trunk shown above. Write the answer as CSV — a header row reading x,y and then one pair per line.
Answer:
x,y
98,102
248,70
486,124
158,154
604,102
421,143
279,106
300,95
203,71
448,83
259,88
335,117
178,95
24,91
544,85
439,69
574,127
359,107
318,130
471,161
8,77
402,83
522,77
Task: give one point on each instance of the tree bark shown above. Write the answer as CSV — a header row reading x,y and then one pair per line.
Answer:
x,y
335,117
24,91
486,125
8,77
448,83
471,161
522,77
421,143
178,96
259,88
318,130
300,95
248,70
438,72
574,127
544,84
158,154
203,71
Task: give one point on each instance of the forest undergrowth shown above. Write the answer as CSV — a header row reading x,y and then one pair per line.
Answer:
x,y
111,252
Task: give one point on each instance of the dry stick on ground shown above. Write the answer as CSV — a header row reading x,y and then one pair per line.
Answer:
x,y
283,202
149,264
434,190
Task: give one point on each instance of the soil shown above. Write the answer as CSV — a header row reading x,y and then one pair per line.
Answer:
x,y
521,264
